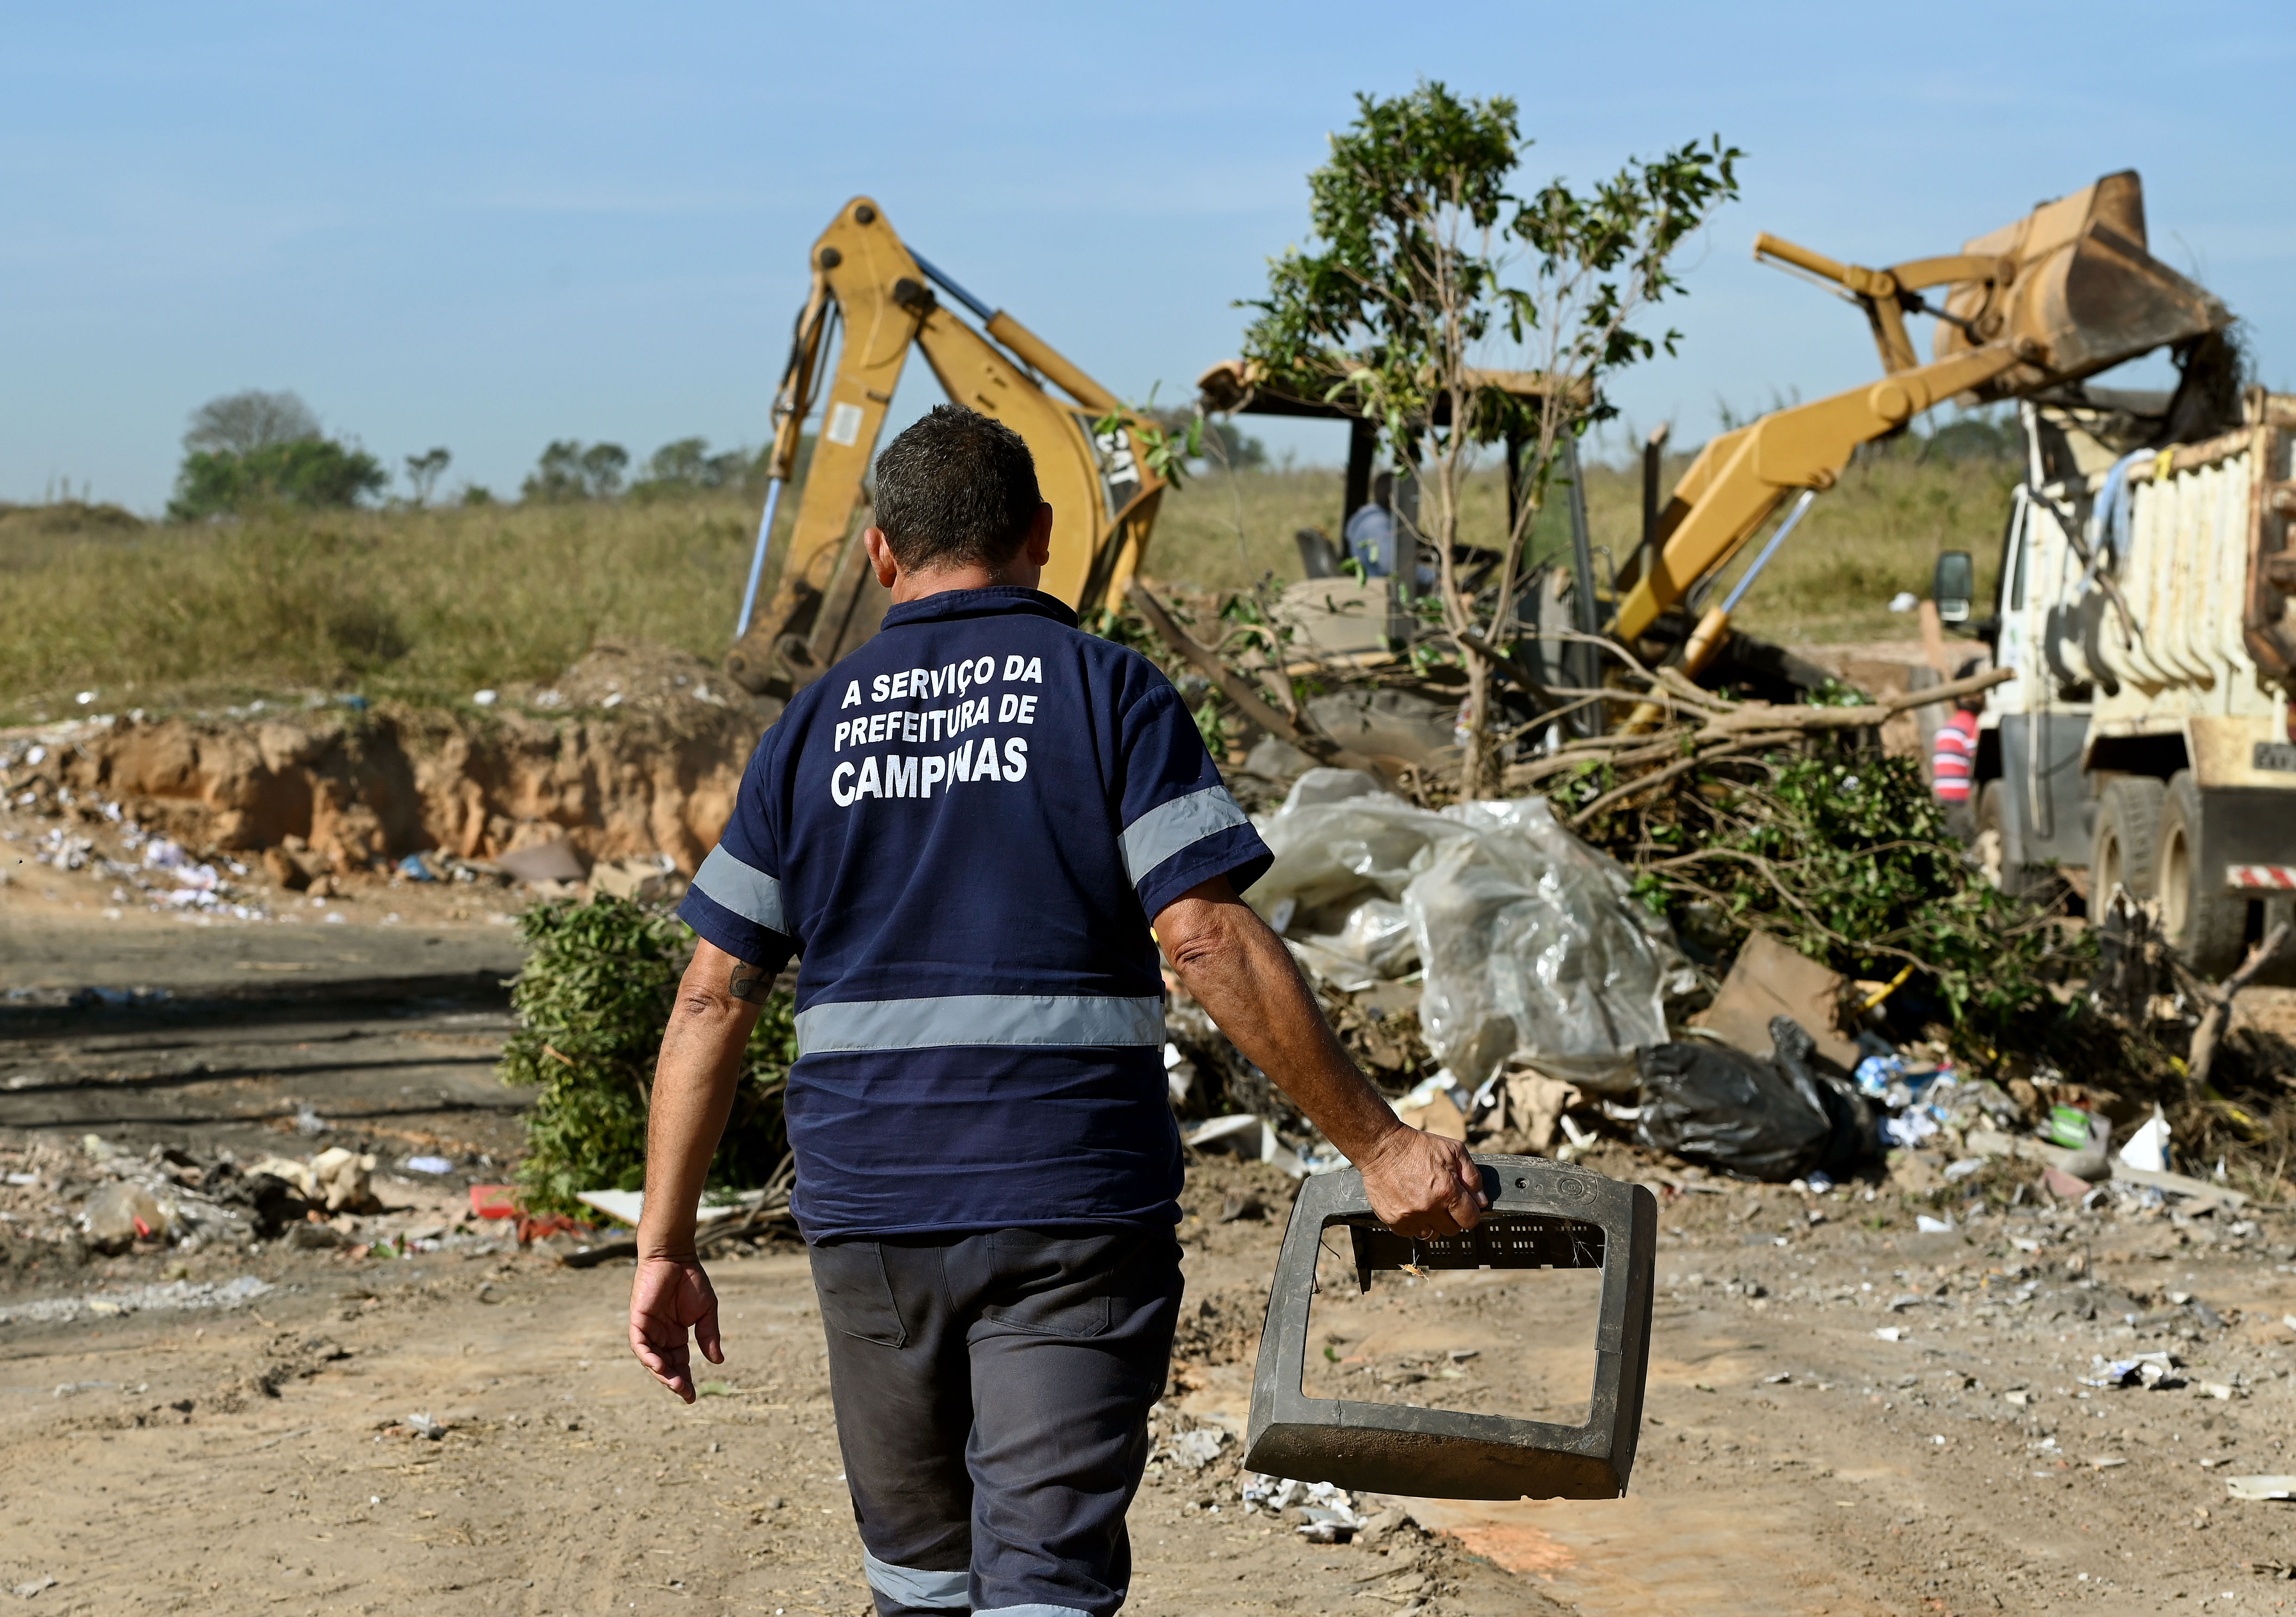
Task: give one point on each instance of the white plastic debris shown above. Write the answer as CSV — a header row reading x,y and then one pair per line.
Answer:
x,y
1532,944
2282,1487
1247,1136
1330,1510
1194,1450
1904,601
1932,1226
2147,1149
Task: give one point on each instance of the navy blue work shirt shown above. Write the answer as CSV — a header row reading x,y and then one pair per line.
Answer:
x,y
964,829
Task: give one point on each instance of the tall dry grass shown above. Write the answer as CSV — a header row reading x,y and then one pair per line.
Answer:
x,y
433,604
426,605
1878,532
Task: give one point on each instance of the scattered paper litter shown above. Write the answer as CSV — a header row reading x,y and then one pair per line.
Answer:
x,y
625,1206
2262,1488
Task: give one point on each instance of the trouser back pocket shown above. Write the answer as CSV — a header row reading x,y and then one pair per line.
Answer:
x,y
856,1297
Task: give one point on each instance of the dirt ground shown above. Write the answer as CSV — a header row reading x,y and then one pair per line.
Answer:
x,y
1845,1415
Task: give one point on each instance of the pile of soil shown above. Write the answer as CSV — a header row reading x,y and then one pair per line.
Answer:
x,y
634,751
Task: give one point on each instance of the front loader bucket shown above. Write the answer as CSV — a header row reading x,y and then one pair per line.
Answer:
x,y
2081,288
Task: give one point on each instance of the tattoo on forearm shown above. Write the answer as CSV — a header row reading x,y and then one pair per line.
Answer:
x,y
750,983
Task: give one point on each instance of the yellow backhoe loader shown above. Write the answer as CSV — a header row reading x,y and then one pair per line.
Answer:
x,y
2064,292
1101,484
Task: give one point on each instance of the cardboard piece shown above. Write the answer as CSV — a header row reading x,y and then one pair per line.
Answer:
x,y
627,1206
1536,1104
1441,1115
558,861
1770,979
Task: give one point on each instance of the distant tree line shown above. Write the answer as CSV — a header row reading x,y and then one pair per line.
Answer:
x,y
252,450
571,470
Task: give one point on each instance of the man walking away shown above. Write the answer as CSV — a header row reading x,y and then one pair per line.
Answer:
x,y
1952,758
966,830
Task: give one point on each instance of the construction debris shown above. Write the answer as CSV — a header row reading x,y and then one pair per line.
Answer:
x,y
1768,980
1607,952
1773,1117
1531,943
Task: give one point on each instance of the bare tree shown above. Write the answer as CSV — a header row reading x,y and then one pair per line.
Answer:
x,y
240,423
425,470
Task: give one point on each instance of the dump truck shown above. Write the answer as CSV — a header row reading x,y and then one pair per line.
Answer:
x,y
2147,606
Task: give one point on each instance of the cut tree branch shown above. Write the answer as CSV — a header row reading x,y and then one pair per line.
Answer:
x,y
1206,661
2209,1034
1517,670
1764,716
1659,778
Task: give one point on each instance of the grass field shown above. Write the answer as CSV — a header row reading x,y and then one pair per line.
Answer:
x,y
432,604
1879,531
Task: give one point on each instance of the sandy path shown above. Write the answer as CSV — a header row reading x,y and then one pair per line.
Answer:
x,y
566,1483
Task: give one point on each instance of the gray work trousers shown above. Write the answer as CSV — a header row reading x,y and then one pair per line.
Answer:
x,y
992,1396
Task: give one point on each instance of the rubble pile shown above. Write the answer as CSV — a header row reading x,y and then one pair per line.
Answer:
x,y
633,753
1720,929
65,1204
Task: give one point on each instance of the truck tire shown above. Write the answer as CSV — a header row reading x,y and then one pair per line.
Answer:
x,y
2208,929
1999,850
2127,832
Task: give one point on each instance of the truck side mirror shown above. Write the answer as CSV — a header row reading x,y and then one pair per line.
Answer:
x,y
1953,587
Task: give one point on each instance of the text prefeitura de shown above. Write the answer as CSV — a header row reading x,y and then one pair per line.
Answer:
x,y
915,775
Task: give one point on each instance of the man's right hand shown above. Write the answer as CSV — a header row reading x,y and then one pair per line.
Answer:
x,y
1422,1185
669,1296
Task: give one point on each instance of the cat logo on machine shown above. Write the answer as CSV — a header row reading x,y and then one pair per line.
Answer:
x,y
1120,468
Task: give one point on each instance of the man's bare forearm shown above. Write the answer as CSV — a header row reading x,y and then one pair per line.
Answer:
x,y
700,1064
1242,975
1239,970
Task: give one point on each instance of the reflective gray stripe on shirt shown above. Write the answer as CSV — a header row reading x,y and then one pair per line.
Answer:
x,y
1169,827
745,890
914,1586
977,1019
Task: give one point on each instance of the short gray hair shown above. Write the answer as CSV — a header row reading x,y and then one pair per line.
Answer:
x,y
955,489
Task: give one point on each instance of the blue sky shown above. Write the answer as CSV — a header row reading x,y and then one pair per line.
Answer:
x,y
486,227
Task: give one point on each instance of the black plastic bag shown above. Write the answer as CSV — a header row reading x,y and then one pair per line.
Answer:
x,y
1761,1120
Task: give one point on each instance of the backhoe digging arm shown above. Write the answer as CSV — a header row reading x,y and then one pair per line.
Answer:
x,y
828,601
1740,477
2063,293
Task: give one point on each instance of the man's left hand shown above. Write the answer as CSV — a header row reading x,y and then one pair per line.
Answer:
x,y
669,1296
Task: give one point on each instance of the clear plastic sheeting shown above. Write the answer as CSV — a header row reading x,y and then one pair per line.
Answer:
x,y
1532,944
1378,932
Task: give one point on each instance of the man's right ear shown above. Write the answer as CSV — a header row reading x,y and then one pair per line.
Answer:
x,y
881,556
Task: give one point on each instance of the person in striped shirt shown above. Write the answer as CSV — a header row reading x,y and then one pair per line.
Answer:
x,y
1953,759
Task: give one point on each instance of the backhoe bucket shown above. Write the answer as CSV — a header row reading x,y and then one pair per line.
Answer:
x,y
2081,289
